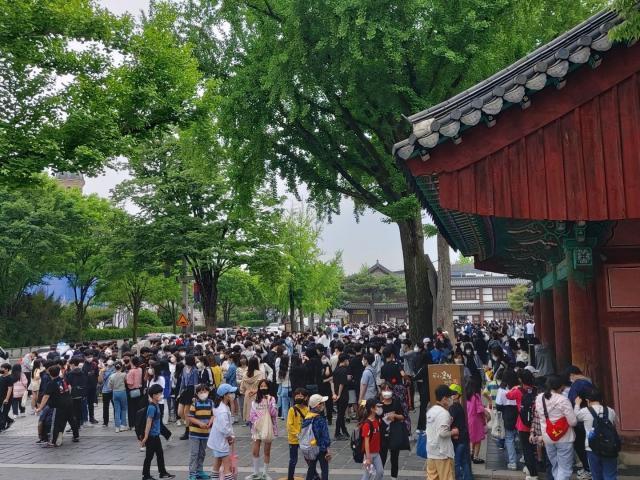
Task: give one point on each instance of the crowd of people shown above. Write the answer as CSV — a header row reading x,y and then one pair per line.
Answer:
x,y
371,376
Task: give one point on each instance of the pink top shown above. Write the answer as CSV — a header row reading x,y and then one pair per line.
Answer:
x,y
134,378
258,410
475,419
20,387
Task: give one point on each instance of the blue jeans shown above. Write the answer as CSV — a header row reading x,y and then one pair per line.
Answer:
x,y
463,461
602,468
120,408
284,402
510,446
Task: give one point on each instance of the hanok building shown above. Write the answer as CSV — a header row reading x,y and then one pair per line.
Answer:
x,y
476,295
536,173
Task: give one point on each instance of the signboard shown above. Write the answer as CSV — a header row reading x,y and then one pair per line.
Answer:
x,y
183,321
444,374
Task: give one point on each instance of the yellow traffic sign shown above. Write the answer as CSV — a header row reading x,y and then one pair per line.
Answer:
x,y
183,321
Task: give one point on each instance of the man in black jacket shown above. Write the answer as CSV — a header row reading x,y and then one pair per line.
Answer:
x,y
77,380
90,369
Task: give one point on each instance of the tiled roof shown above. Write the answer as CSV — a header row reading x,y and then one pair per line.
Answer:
x,y
548,65
377,306
480,306
486,281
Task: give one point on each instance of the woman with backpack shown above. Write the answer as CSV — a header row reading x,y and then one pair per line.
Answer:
x,y
602,450
264,427
556,417
525,395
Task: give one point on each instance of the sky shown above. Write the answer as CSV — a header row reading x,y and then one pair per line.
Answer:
x,y
363,242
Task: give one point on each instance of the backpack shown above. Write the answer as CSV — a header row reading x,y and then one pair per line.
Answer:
x,y
307,441
140,422
357,443
526,406
603,439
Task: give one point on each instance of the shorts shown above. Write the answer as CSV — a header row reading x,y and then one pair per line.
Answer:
x,y
186,397
219,454
352,397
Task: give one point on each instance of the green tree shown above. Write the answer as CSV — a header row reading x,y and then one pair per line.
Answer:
x,y
184,186
89,228
237,288
517,298
316,91
68,102
462,260
629,29
33,221
166,295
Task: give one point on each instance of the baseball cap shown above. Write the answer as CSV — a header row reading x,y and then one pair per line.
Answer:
x,y
456,388
316,400
443,391
225,388
531,368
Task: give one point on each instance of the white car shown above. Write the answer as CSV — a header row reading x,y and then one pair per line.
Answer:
x,y
274,328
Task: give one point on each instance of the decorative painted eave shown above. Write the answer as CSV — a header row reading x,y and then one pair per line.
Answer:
x,y
515,85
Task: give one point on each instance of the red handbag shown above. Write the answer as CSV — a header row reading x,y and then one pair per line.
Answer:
x,y
556,430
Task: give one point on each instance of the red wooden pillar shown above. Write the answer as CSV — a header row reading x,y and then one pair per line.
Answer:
x,y
561,325
536,315
583,320
546,319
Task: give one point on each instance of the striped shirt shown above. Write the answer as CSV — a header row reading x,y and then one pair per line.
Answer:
x,y
202,411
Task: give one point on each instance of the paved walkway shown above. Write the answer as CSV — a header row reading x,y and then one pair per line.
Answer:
x,y
103,454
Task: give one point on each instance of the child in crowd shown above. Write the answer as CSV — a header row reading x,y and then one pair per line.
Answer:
x,y
295,416
460,440
371,441
264,427
151,439
200,419
222,436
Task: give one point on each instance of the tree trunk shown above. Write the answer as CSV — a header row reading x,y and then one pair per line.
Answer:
x,y
134,328
416,276
209,285
301,318
80,320
445,310
292,309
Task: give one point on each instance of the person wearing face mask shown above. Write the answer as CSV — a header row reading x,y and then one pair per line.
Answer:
x,y
222,437
188,382
90,368
200,420
153,377
151,439
368,387
395,434
440,452
461,440
107,370
371,441
264,427
320,428
341,395
295,417
205,375
326,387
77,380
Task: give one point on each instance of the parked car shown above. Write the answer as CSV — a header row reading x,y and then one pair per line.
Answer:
x,y
274,327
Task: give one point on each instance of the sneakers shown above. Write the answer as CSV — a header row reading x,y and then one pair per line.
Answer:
x,y
477,461
512,466
202,475
48,445
525,470
94,421
178,423
75,439
531,478
167,475
117,429
148,477
584,475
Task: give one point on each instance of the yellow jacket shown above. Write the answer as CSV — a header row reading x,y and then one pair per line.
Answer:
x,y
217,375
294,422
